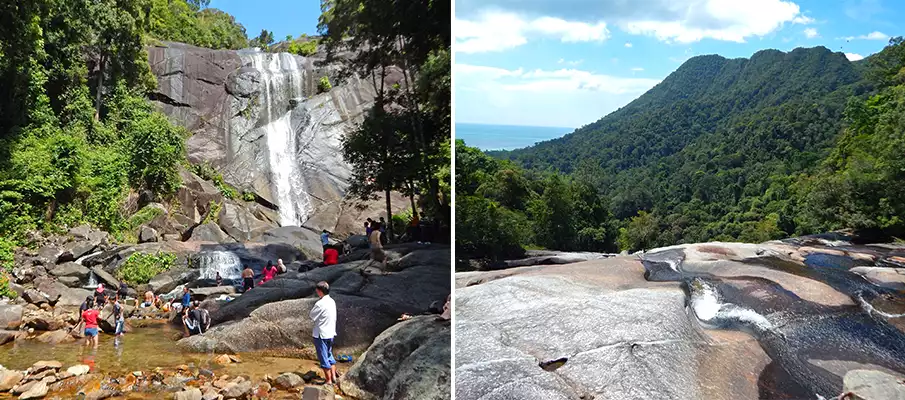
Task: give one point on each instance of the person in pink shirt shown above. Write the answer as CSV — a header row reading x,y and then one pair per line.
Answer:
x,y
269,271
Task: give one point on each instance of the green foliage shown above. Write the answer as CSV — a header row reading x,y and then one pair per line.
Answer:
x,y
139,268
264,39
209,173
143,216
249,196
302,46
7,251
484,228
213,212
323,85
182,21
5,290
563,213
776,145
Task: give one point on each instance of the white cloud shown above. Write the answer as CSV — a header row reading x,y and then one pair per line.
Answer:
x,y
498,31
682,21
572,63
811,33
853,56
875,35
628,44
540,97
566,79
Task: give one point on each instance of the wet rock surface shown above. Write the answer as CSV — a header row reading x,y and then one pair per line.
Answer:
x,y
715,320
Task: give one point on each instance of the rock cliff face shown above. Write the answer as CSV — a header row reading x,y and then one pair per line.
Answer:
x,y
792,319
261,120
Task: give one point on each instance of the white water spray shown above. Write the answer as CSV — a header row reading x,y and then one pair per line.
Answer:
x,y
225,262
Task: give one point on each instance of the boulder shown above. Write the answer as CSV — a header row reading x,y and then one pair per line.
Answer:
x,y
237,390
78,370
51,288
10,316
9,378
205,292
240,224
357,241
296,236
71,269
36,391
7,336
147,234
189,394
410,360
75,250
46,365
33,296
80,232
284,328
70,281
869,385
41,320
287,380
72,298
167,281
48,255
105,277
56,337
317,393
210,232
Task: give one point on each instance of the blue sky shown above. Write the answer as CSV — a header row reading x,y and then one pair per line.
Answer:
x,y
567,63
282,17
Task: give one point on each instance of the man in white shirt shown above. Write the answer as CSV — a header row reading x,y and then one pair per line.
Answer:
x,y
323,314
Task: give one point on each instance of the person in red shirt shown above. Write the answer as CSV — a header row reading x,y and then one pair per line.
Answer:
x,y
90,317
331,256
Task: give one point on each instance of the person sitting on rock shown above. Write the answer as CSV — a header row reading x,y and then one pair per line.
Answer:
x,y
268,273
248,279
377,253
280,266
150,300
323,315
189,323
331,256
219,279
90,318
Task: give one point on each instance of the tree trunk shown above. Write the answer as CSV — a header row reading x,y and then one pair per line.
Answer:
x,y
100,87
412,198
389,216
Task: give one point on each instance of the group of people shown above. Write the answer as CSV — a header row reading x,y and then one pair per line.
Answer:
x,y
268,273
89,314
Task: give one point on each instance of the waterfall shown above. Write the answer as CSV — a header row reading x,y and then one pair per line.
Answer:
x,y
226,263
282,80
92,281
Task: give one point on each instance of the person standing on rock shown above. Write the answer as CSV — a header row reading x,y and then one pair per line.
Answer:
x,y
325,239
90,318
377,253
369,227
383,231
118,317
323,314
100,296
219,279
248,279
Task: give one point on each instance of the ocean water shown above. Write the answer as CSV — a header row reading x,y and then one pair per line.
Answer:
x,y
506,137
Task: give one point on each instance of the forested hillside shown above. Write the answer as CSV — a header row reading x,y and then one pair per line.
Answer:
x,y
77,134
745,149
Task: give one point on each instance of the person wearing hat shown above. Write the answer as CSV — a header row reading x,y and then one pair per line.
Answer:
x,y
100,296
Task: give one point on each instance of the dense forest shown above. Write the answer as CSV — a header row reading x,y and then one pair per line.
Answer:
x,y
746,150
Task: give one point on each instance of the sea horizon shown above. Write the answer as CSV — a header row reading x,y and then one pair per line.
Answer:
x,y
490,137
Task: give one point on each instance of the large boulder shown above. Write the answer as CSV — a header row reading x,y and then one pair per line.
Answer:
x,y
105,277
296,236
147,234
72,298
10,316
51,288
409,361
79,248
71,269
210,232
167,281
284,328
240,224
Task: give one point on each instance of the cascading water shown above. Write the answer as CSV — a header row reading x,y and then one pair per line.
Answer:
x,y
92,281
282,80
225,262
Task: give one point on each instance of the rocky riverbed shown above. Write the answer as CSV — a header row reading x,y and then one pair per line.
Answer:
x,y
791,319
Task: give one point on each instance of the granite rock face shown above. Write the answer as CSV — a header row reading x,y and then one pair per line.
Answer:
x,y
711,320
252,114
